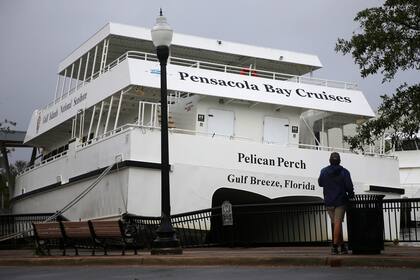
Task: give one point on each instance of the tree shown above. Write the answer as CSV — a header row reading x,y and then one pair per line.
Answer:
x,y
5,126
5,177
18,167
389,42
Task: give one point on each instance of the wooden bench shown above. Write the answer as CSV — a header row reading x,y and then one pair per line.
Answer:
x,y
77,235
48,235
87,234
106,233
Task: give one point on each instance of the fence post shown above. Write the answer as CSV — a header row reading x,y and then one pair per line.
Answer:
x,y
227,214
227,224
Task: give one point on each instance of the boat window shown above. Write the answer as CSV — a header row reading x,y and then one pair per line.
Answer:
x,y
408,145
54,152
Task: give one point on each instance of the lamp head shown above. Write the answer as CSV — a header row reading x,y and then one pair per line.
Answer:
x,y
161,32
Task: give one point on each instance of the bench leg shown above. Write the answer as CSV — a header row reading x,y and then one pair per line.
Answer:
x,y
135,245
40,251
40,248
135,248
62,245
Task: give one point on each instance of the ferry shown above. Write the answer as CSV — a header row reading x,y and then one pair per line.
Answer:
x,y
407,153
247,124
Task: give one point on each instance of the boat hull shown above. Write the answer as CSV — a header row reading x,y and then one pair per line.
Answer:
x,y
200,165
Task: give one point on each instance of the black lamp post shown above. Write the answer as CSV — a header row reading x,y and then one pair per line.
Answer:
x,y
166,241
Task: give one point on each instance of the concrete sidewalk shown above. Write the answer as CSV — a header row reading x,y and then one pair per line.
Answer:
x,y
392,256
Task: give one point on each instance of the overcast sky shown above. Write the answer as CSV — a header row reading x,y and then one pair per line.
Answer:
x,y
37,34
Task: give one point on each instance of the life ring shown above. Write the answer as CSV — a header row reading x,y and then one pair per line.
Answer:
x,y
248,72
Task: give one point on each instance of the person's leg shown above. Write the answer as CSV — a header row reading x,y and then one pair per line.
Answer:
x,y
339,218
338,233
331,214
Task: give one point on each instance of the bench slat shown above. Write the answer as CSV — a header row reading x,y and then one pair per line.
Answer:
x,y
106,228
48,230
76,229
80,234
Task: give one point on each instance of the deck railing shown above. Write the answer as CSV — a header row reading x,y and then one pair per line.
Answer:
x,y
207,66
150,126
44,162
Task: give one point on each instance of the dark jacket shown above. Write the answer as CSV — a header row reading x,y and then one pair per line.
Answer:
x,y
337,184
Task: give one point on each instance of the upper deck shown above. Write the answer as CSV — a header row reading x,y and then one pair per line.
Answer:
x,y
119,57
124,38
111,43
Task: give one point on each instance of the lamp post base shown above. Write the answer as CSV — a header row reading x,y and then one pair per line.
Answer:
x,y
166,251
166,246
166,242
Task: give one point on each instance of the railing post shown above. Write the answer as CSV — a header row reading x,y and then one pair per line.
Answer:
x,y
227,214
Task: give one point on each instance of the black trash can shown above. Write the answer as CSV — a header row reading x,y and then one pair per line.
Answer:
x,y
365,224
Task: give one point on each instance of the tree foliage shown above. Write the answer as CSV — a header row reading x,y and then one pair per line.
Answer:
x,y
389,42
6,125
18,167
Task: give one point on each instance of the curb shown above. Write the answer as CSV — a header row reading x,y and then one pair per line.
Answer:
x,y
406,262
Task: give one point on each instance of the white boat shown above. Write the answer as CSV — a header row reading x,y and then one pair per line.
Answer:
x,y
409,164
247,124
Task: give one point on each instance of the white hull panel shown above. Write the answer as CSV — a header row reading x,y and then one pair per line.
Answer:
x,y
200,166
107,199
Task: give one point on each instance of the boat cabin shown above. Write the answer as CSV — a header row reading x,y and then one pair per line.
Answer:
x,y
216,88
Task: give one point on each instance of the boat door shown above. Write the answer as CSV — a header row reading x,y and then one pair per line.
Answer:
x,y
221,122
276,130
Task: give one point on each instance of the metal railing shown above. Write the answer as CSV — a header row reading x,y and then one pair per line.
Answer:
x,y
253,225
240,70
270,224
340,150
192,228
154,125
19,223
402,220
277,224
43,162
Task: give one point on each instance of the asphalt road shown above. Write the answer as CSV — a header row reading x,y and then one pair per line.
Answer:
x,y
204,273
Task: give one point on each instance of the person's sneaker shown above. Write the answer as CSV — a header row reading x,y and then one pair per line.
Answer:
x,y
334,250
344,250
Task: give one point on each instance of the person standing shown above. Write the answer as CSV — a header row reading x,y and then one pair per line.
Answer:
x,y
337,188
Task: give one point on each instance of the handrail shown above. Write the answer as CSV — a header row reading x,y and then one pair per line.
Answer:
x,y
45,161
327,148
208,66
